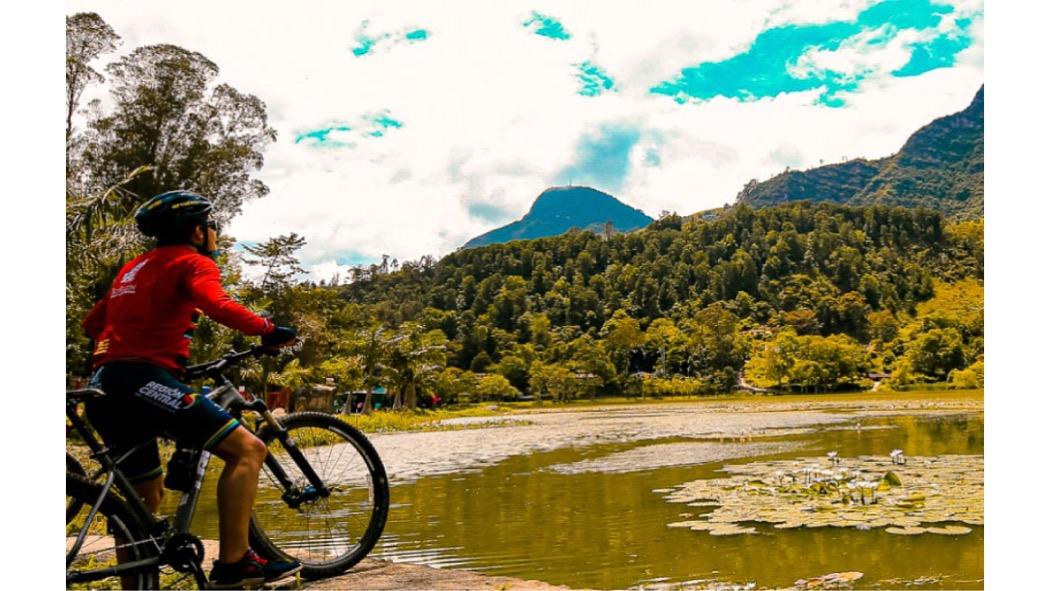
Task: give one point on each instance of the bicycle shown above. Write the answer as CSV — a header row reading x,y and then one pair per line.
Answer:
x,y
330,514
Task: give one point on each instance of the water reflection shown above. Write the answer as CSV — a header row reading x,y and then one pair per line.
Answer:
x,y
609,530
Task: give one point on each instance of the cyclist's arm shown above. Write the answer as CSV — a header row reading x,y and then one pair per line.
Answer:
x,y
205,286
95,320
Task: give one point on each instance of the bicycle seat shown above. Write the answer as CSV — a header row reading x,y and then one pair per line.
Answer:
x,y
84,394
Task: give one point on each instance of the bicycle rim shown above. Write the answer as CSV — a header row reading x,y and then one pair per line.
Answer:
x,y
114,536
331,534
73,505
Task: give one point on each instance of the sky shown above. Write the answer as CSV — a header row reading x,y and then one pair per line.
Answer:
x,y
407,128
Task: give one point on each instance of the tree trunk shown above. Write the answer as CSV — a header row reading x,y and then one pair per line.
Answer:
x,y
410,396
368,402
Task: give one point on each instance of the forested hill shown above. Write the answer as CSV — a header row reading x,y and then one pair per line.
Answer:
x,y
559,209
941,167
854,275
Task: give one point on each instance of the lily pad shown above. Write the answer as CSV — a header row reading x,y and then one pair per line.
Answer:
x,y
906,531
949,530
857,494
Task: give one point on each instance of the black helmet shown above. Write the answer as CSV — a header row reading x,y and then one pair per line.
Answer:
x,y
172,214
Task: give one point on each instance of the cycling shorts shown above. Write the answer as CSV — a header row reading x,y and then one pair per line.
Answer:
x,y
144,401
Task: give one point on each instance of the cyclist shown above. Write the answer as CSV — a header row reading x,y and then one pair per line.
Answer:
x,y
142,329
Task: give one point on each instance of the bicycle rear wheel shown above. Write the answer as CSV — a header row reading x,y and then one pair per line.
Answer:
x,y
327,534
73,505
115,536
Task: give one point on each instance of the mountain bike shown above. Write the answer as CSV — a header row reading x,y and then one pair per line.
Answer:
x,y
324,501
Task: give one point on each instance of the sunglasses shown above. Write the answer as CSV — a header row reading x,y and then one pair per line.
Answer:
x,y
214,225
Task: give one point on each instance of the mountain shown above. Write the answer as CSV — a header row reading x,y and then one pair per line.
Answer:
x,y
941,167
559,209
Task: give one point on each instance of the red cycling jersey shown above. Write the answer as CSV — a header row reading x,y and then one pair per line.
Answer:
x,y
148,314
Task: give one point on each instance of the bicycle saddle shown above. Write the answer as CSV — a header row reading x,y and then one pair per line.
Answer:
x,y
84,394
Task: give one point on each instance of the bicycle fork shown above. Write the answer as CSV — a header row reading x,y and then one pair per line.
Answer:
x,y
293,496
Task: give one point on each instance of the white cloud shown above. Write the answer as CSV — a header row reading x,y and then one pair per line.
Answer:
x,y
491,114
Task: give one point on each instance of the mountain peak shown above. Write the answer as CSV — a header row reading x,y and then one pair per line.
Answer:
x,y
559,209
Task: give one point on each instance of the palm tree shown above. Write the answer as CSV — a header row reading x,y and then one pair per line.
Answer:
x,y
413,360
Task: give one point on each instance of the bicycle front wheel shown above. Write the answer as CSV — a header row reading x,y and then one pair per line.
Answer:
x,y
328,534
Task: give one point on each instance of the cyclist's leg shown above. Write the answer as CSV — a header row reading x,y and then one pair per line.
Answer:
x,y
243,454
203,424
152,492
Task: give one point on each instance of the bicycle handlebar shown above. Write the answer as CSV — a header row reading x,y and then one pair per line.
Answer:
x,y
207,368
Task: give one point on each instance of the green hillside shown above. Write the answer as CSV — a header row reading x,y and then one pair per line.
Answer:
x,y
940,167
689,302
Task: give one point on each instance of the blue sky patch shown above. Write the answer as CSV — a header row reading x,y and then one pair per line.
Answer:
x,y
373,125
775,62
546,26
417,35
603,159
355,258
938,52
593,79
320,137
370,44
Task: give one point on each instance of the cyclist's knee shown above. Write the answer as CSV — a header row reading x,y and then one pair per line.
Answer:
x,y
242,446
258,449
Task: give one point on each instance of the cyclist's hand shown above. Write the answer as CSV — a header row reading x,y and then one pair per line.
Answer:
x,y
278,337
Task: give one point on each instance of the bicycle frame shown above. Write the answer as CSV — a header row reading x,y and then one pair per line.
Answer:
x,y
227,397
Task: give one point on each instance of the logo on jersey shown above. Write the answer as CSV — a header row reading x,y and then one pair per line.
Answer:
x,y
132,272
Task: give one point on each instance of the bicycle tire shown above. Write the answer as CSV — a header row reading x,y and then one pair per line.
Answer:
x,y
114,520
73,505
313,432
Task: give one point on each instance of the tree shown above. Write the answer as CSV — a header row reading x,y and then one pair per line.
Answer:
x,y
551,379
495,387
414,359
666,340
170,114
622,335
87,37
714,342
777,357
277,258
368,345
936,352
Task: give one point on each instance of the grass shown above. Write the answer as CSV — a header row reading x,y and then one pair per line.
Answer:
x,y
386,421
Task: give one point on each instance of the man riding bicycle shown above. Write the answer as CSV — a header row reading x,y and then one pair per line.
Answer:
x,y
142,329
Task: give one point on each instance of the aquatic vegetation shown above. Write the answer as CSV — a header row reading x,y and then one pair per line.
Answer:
x,y
830,581
928,495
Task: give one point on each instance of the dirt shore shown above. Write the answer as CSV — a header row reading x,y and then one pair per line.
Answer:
x,y
381,574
